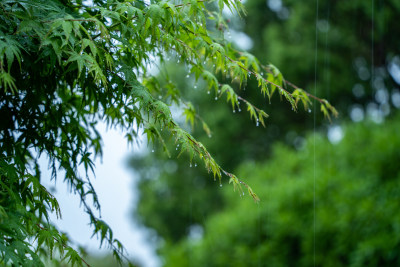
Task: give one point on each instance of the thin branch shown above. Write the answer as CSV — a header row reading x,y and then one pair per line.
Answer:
x,y
200,149
254,73
308,94
81,20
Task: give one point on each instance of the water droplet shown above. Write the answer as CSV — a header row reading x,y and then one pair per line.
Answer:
x,y
176,148
216,98
179,61
224,71
195,87
208,92
257,124
262,73
152,150
204,62
234,111
215,57
243,194
240,110
187,76
159,97
195,164
209,136
220,185
214,66
309,110
190,165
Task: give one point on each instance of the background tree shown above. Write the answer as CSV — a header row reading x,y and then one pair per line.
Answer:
x,y
353,44
346,52
66,65
356,207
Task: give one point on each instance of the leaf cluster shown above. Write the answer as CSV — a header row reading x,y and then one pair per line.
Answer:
x,y
66,65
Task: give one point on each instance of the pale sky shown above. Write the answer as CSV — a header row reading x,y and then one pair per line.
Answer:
x,y
114,184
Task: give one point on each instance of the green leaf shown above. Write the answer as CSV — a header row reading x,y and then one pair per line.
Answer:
x,y
67,27
8,82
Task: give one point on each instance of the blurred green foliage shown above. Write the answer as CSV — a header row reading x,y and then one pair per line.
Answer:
x,y
352,221
332,45
342,50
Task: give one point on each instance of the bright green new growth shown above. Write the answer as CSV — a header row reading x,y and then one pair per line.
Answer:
x,y
65,65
